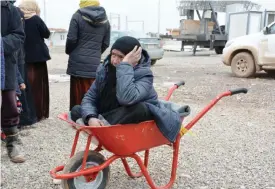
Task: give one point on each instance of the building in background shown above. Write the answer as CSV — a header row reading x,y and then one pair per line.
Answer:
x,y
58,37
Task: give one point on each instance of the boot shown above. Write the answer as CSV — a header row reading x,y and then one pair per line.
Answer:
x,y
12,145
19,141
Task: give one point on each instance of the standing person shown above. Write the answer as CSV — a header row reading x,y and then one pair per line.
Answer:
x,y
88,38
2,67
36,57
28,116
13,38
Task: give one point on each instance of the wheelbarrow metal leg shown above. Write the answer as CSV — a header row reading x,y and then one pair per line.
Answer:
x,y
128,169
86,152
75,143
173,172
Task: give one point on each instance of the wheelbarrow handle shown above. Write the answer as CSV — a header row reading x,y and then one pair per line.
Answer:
x,y
238,91
180,84
172,89
213,103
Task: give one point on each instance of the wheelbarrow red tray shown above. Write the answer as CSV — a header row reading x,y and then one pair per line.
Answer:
x,y
124,141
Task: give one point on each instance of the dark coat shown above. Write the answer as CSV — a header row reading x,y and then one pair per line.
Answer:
x,y
21,52
88,38
134,85
2,65
20,79
35,48
13,38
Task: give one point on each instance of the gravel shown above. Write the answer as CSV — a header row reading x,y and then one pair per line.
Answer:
x,y
233,146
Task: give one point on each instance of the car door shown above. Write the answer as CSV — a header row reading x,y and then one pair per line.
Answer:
x,y
271,39
268,47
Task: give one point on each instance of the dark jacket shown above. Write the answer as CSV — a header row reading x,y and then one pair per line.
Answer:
x,y
134,85
2,65
20,80
88,38
13,38
35,48
21,52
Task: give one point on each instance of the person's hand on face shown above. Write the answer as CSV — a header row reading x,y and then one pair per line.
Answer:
x,y
134,56
95,122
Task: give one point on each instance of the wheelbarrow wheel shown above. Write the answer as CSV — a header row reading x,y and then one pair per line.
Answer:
x,y
75,164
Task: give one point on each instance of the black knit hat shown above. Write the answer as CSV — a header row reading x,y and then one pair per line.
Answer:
x,y
125,44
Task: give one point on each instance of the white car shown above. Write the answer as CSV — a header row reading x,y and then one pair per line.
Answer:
x,y
251,53
153,46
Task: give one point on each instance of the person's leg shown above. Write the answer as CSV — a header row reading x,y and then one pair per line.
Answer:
x,y
73,88
9,123
38,77
78,88
131,114
35,78
46,91
76,113
28,116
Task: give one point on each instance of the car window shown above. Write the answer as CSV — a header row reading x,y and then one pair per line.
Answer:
x,y
115,35
272,29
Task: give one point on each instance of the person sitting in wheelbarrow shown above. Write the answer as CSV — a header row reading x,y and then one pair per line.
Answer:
x,y
123,92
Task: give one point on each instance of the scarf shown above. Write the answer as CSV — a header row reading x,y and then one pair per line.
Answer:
x,y
87,3
30,8
107,99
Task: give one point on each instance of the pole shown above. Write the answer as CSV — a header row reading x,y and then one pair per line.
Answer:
x,y
126,23
143,26
114,15
45,13
159,17
118,27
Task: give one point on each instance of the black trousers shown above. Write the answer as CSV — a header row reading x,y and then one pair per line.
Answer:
x,y
123,115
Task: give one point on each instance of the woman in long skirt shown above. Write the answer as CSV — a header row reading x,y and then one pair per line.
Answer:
x,y
88,38
36,57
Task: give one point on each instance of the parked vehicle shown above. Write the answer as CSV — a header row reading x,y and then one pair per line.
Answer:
x,y
152,45
251,53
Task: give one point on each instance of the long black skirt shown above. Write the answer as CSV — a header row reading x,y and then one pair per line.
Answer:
x,y
35,99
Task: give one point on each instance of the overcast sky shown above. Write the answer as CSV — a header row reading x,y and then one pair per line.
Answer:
x,y
59,12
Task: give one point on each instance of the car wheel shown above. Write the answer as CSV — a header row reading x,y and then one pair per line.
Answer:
x,y
153,62
219,50
243,65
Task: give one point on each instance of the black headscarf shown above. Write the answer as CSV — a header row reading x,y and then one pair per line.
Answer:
x,y
125,44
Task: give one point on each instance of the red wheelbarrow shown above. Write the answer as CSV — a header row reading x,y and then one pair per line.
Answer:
x,y
90,169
